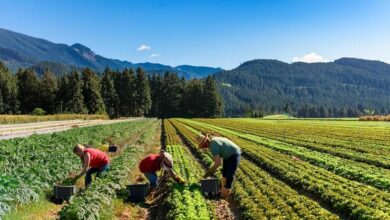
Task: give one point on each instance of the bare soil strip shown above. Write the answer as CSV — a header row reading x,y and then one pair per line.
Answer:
x,y
25,130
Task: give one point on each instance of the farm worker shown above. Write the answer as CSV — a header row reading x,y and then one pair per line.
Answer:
x,y
154,162
222,149
93,160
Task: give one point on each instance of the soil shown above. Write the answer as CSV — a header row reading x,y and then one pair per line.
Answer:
x,y
27,129
141,211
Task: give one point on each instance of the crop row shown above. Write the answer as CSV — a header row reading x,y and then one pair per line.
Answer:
x,y
99,195
345,196
355,150
32,165
345,131
261,196
91,203
185,201
362,172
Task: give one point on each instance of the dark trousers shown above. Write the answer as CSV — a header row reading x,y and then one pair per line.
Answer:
x,y
98,171
229,168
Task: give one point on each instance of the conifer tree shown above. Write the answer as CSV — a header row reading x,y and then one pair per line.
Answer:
x,y
170,96
8,87
75,103
155,87
92,92
48,90
193,103
212,100
109,94
127,93
142,94
1,103
28,90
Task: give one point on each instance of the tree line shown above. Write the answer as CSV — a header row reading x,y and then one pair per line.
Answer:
x,y
116,93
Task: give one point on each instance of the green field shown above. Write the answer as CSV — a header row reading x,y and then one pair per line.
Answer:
x,y
290,169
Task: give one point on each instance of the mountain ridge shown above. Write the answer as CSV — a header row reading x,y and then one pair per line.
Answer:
x,y
21,50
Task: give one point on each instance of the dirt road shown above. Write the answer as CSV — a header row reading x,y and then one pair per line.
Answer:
x,y
27,129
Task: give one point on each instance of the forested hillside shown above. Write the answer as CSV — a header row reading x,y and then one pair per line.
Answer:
x,y
345,87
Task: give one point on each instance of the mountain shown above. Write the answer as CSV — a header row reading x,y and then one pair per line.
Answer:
x,y
19,50
198,72
269,85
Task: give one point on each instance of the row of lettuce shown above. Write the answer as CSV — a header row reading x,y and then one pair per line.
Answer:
x,y
259,195
31,166
361,142
185,201
344,196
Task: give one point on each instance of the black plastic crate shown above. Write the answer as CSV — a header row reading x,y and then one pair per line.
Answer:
x,y
113,148
210,187
137,192
64,192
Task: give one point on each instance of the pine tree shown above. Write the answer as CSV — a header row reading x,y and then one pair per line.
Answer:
x,y
8,87
143,100
63,95
127,93
109,94
75,103
343,112
170,96
192,99
28,91
322,112
92,92
212,100
1,103
48,90
155,87
287,109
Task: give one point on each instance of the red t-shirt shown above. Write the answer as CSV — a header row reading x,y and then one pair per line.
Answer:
x,y
98,158
150,164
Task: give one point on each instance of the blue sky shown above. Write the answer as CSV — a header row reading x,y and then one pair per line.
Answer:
x,y
209,33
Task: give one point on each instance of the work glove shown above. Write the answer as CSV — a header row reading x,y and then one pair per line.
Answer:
x,y
209,172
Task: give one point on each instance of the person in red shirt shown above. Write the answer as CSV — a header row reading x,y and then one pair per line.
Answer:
x,y
93,160
154,162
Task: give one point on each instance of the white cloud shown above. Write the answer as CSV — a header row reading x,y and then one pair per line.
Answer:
x,y
310,58
154,55
143,47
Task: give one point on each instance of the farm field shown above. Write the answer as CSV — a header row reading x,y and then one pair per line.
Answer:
x,y
31,166
308,169
9,131
18,119
290,169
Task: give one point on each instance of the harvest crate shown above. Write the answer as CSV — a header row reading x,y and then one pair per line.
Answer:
x,y
137,192
64,192
210,187
112,148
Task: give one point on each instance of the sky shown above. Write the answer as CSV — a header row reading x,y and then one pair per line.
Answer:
x,y
217,33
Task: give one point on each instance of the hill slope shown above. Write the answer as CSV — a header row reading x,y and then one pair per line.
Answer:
x,y
19,50
270,84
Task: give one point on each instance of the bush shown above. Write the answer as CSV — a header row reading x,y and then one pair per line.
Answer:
x,y
38,111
